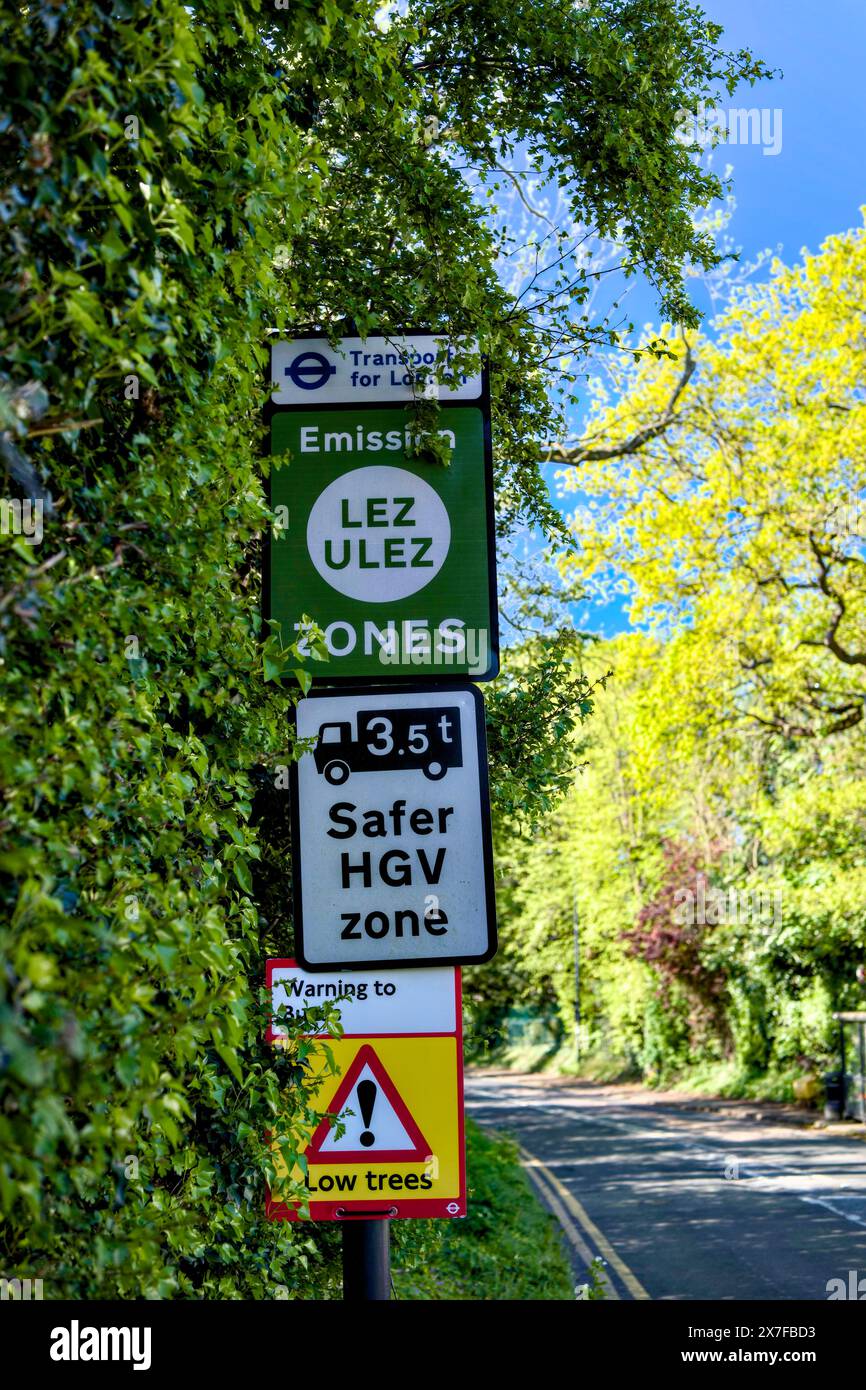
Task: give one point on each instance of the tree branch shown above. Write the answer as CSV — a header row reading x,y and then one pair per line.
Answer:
x,y
579,453
830,640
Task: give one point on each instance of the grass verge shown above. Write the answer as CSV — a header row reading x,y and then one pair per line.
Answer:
x,y
508,1247
723,1079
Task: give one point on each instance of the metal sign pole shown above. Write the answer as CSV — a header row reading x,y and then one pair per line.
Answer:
x,y
366,1261
575,920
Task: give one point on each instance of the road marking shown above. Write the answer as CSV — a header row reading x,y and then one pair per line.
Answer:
x,y
757,1173
830,1204
565,1221
603,1245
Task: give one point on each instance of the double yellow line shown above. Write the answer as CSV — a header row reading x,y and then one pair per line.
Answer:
x,y
565,1207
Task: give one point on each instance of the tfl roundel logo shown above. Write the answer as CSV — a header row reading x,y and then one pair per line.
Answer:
x,y
309,371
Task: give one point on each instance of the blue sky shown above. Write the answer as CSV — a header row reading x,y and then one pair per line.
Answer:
x,y
816,183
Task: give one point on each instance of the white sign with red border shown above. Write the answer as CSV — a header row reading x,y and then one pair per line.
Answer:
x,y
390,1140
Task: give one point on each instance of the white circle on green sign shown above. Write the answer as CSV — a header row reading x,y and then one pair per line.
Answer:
x,y
378,534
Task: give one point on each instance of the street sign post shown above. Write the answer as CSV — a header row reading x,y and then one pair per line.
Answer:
x,y
391,555
384,539
391,843
308,370
399,1095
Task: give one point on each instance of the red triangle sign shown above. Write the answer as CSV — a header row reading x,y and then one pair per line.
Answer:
x,y
381,1128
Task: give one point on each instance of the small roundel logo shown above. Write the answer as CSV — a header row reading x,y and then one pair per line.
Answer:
x,y
309,371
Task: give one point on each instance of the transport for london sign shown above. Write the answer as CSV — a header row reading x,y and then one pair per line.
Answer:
x,y
391,555
391,831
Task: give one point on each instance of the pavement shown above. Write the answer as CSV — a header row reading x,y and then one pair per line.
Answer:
x,y
686,1198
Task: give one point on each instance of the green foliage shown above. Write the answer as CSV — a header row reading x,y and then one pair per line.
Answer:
x,y
176,182
722,496
717,879
752,542
533,760
595,1289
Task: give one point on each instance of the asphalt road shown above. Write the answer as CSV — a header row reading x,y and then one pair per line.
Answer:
x,y
681,1203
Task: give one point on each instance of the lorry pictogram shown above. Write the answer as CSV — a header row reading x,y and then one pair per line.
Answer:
x,y
391,740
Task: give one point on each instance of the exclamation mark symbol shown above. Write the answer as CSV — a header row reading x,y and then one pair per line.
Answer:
x,y
367,1092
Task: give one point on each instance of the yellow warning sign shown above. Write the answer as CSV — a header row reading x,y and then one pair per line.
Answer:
x,y
397,1147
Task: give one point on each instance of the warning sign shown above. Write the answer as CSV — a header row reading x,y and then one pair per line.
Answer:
x,y
390,1139
374,1120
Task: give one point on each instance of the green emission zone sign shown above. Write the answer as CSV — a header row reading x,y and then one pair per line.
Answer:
x,y
391,556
